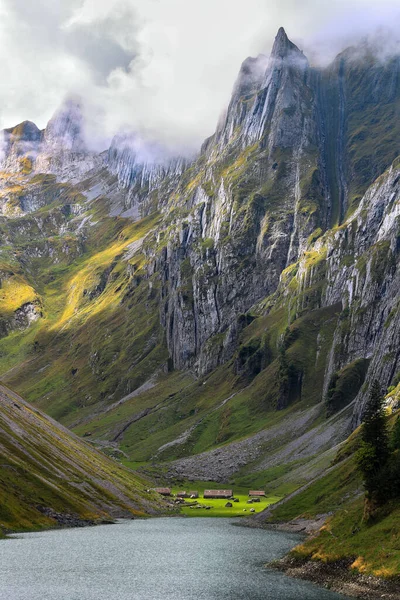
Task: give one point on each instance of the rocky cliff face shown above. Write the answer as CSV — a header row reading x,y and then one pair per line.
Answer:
x,y
281,167
141,168
361,272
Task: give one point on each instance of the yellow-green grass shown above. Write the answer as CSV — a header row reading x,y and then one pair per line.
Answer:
x,y
218,508
51,349
14,293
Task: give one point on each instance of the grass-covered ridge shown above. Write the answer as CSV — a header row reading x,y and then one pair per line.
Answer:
x,y
47,473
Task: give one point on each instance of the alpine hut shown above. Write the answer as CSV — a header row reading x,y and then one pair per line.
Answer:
x,y
218,494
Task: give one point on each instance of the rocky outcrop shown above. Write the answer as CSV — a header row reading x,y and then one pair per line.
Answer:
x,y
63,150
27,314
21,319
141,168
20,146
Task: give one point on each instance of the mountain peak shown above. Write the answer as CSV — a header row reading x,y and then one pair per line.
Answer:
x,y
250,75
66,125
283,46
282,33
25,131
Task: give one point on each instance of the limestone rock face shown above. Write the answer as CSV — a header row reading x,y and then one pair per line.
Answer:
x,y
65,128
276,100
59,149
362,273
260,192
141,168
284,165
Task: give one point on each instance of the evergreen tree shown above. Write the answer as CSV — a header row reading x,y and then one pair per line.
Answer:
x,y
395,441
374,453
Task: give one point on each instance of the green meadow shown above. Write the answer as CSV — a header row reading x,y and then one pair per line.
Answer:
x,y
217,506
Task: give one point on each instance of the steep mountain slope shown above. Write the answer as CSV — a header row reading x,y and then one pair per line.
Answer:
x,y
250,292
48,476
345,552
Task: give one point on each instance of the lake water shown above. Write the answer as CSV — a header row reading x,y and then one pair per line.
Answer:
x,y
155,559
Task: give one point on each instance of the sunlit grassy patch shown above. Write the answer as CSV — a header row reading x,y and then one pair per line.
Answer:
x,y
218,506
14,293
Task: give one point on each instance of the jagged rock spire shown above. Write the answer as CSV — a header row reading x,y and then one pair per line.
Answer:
x,y
63,150
283,47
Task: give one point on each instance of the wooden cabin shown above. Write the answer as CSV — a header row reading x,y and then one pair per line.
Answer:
x,y
162,491
193,494
218,494
182,494
256,493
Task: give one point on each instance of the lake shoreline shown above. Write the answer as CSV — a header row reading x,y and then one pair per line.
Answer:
x,y
335,576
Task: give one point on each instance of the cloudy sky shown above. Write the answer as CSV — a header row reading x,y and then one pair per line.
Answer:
x,y
164,68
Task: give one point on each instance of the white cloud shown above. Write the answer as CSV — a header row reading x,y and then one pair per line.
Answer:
x,y
162,67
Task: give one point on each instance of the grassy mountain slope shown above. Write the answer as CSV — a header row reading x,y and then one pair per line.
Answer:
x,y
48,476
370,548
99,318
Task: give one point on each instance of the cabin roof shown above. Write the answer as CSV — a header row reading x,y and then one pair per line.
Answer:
x,y
218,492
